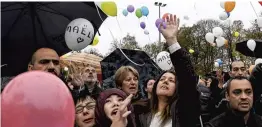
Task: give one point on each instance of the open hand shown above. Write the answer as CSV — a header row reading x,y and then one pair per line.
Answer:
x,y
171,30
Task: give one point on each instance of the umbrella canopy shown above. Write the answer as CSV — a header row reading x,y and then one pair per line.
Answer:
x,y
243,49
26,26
76,62
122,57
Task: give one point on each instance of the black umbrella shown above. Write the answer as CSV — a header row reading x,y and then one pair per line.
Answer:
x,y
123,57
243,49
26,26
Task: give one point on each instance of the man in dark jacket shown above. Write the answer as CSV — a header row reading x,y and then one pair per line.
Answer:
x,y
239,93
256,80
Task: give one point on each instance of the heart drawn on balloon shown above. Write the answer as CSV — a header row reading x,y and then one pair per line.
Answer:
x,y
79,40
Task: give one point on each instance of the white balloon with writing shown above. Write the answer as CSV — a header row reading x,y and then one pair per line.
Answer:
x,y
258,61
251,44
79,34
163,60
217,31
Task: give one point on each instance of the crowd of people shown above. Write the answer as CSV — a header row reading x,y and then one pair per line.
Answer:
x,y
174,99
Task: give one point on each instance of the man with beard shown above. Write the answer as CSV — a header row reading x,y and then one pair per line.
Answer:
x,y
90,80
239,94
45,59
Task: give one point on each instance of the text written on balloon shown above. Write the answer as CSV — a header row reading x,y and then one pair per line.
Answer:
x,y
79,30
163,58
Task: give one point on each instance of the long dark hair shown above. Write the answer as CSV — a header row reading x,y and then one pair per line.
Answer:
x,y
154,99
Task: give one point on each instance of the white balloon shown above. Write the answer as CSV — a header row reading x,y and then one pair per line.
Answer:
x,y
186,17
220,41
210,37
259,22
258,61
222,4
223,16
260,14
163,60
217,31
146,32
79,34
216,64
251,44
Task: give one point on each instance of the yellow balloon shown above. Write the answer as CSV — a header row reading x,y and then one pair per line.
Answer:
x,y
95,41
236,34
109,8
191,51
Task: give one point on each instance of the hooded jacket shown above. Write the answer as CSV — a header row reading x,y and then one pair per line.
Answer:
x,y
101,119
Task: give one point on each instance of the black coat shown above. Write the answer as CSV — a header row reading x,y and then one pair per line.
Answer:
x,y
205,98
256,80
186,110
229,119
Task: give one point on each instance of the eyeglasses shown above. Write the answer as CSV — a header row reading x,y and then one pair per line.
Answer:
x,y
88,106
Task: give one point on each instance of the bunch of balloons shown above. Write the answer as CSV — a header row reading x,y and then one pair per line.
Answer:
x,y
143,11
228,6
216,32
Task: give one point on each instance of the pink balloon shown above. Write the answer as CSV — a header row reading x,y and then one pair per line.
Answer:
x,y
37,99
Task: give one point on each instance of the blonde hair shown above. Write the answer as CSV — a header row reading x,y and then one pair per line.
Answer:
x,y
122,72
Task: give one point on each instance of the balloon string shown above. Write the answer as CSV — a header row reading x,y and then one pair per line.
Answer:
x,y
120,41
253,8
195,9
120,30
130,59
149,38
103,21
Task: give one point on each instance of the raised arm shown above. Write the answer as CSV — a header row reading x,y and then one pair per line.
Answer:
x,y
188,104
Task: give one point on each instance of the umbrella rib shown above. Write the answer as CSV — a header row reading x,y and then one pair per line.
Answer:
x,y
9,5
48,11
56,11
16,20
40,5
39,21
12,9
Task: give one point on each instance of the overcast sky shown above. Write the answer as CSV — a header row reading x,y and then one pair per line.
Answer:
x,y
194,9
